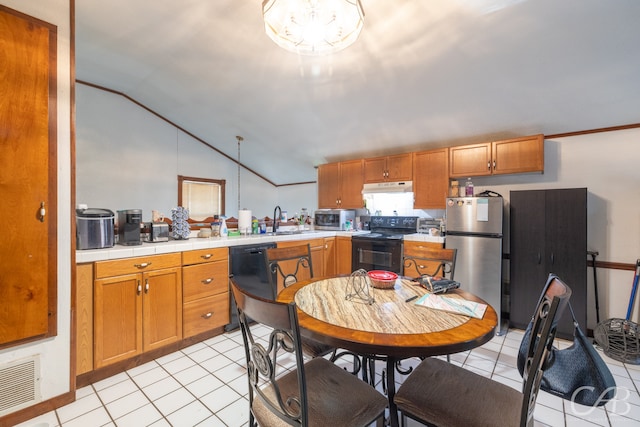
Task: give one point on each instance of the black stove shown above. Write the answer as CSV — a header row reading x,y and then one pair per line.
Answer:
x,y
390,227
382,248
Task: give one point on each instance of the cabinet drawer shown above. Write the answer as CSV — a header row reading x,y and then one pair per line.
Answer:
x,y
136,265
205,314
417,248
204,255
204,280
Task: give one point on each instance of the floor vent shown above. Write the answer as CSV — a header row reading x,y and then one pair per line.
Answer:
x,y
19,384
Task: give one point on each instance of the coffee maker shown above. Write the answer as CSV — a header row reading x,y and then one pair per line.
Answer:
x,y
129,222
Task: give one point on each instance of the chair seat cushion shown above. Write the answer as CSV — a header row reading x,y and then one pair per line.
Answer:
x,y
444,394
334,396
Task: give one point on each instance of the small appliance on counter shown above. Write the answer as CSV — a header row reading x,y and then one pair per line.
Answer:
x,y
129,222
333,219
157,232
94,228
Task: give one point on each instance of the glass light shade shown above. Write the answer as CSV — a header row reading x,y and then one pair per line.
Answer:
x,y
313,27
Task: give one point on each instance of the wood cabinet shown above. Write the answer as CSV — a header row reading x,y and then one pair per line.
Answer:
x,y
84,318
205,290
430,179
28,171
340,185
388,168
548,234
329,257
510,156
416,249
137,306
343,255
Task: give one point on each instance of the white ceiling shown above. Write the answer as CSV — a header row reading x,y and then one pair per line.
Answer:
x,y
422,74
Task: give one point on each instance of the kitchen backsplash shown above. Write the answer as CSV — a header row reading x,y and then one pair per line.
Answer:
x,y
389,204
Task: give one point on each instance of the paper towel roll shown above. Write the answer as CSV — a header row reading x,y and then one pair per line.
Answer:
x,y
244,221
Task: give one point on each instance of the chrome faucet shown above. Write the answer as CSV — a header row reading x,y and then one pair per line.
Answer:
x,y
276,218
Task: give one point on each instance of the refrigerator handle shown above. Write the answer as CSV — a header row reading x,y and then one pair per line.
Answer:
x,y
553,258
539,258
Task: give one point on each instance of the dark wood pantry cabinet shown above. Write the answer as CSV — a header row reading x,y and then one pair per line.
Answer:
x,y
548,234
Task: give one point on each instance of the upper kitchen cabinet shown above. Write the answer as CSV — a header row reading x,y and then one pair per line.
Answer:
x,y
430,179
340,185
28,179
389,168
516,155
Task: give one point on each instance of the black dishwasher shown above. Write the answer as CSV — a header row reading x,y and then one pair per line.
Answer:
x,y
250,273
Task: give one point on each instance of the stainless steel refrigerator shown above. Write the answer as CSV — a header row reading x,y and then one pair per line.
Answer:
x,y
474,228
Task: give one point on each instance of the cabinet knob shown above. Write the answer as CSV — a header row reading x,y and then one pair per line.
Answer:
x,y
494,165
207,256
146,286
489,165
207,315
43,211
207,281
139,288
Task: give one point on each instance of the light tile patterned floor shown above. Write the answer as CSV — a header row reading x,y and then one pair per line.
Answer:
x,y
205,385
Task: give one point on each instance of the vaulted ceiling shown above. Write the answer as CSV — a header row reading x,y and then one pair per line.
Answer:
x,y
422,74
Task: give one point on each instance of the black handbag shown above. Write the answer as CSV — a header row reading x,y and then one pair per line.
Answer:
x,y
577,373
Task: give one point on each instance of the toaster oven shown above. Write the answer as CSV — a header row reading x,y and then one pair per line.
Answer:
x,y
333,219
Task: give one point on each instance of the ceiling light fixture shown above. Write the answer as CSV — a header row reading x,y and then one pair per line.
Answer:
x,y
313,27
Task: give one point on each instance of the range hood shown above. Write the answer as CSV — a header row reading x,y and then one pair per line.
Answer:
x,y
388,187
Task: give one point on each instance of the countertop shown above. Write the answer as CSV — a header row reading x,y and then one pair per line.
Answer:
x,y
423,237
120,251
145,249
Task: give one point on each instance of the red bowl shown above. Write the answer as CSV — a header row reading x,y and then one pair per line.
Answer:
x,y
382,279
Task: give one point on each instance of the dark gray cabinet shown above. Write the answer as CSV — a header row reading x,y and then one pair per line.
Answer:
x,y
548,234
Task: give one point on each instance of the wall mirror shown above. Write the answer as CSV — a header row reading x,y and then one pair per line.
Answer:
x,y
203,197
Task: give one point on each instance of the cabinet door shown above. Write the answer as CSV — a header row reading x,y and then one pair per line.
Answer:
x,y
329,256
117,326
527,254
430,179
329,186
84,318
28,164
518,155
343,255
566,250
470,160
400,167
162,307
351,182
375,169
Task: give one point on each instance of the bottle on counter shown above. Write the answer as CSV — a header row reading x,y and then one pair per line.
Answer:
x,y
224,231
468,187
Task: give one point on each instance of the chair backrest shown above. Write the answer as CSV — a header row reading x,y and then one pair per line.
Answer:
x,y
430,261
554,299
266,355
288,265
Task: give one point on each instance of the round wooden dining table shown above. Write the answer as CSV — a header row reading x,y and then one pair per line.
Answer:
x,y
385,324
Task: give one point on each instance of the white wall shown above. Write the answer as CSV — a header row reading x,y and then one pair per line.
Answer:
x,y
127,158
55,352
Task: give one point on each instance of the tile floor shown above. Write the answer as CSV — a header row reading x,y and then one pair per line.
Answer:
x,y
205,385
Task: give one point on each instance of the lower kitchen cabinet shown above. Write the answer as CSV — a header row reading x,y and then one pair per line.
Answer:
x,y
343,255
317,258
205,290
329,257
416,249
137,306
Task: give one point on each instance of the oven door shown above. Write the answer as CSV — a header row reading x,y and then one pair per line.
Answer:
x,y
377,254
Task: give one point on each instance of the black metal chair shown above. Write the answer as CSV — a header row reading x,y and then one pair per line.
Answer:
x,y
283,389
441,393
286,266
432,262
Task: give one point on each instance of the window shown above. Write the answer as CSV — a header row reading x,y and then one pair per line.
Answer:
x,y
203,197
